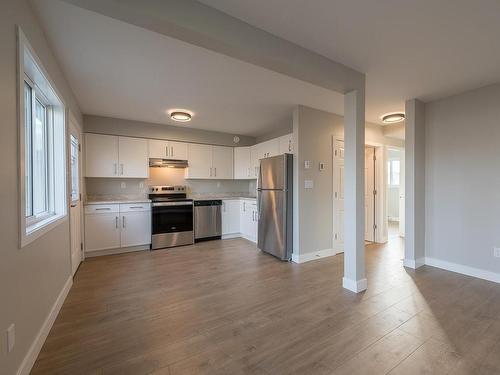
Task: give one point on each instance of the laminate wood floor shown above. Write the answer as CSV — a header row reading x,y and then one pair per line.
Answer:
x,y
223,307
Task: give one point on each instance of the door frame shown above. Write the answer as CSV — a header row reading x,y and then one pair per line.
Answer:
x,y
73,123
380,173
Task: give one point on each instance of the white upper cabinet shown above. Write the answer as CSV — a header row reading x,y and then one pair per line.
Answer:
x,y
211,162
269,148
112,156
286,144
168,149
222,162
200,161
254,160
101,155
133,157
243,163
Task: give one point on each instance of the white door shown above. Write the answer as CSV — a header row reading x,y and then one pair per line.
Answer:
x,y
402,194
222,162
200,161
177,150
157,149
101,155
135,228
338,196
370,194
242,163
133,157
75,211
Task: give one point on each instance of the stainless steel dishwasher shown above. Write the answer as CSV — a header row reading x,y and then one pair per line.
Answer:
x,y
207,220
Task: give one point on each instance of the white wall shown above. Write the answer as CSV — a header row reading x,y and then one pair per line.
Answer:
x,y
31,278
463,179
313,208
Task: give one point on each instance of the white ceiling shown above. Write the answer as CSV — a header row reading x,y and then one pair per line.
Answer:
x,y
119,70
423,49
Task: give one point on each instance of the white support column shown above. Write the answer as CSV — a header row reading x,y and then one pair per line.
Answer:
x,y
354,203
414,184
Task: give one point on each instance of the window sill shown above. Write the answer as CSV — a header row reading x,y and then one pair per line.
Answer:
x,y
40,228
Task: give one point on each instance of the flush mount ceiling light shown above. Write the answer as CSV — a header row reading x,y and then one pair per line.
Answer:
x,y
391,118
180,116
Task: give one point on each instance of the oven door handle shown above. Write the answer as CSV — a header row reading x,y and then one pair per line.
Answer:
x,y
163,204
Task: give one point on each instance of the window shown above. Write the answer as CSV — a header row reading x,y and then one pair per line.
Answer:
x,y
393,169
42,144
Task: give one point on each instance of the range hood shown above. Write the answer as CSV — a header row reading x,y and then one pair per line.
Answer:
x,y
168,163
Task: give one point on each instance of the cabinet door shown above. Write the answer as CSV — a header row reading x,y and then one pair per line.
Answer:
x,y
230,216
200,161
286,144
158,149
255,160
222,162
101,155
270,148
102,231
135,228
133,156
253,228
177,150
242,163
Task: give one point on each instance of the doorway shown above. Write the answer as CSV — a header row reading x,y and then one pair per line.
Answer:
x,y
75,211
395,192
338,195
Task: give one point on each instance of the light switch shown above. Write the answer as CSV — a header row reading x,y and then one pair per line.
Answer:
x,y
307,164
321,166
308,184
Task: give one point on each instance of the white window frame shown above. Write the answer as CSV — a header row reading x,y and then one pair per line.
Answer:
x,y
390,174
32,72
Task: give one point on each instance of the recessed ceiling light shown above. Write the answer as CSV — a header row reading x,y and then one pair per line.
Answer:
x,y
180,116
391,118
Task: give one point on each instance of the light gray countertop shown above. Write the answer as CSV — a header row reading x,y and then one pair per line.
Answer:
x,y
115,199
222,196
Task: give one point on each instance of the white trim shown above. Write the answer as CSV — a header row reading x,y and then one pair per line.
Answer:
x,y
302,258
414,264
118,250
36,346
355,286
465,270
231,235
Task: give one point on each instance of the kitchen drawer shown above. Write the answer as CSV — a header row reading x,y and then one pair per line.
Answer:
x,y
102,208
135,207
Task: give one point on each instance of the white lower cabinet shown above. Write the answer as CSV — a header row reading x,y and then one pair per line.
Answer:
x,y
248,219
230,217
114,226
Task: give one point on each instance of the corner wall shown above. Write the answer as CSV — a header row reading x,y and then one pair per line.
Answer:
x,y
314,131
463,182
31,278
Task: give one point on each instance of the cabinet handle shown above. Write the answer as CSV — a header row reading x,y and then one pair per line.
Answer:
x,y
215,171
166,151
244,206
172,151
123,221
121,166
210,171
103,209
116,222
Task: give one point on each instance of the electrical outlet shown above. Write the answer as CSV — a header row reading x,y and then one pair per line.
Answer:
x,y
123,185
11,337
496,252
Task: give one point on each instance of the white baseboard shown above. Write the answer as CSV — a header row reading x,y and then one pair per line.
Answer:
x,y
119,250
355,286
302,258
414,264
465,270
248,238
231,235
36,346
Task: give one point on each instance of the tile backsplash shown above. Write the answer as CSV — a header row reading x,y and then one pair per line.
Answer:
x,y
165,176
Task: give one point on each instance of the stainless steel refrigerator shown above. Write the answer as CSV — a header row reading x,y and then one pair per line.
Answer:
x,y
274,204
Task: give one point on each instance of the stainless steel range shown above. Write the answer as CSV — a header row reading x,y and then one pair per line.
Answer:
x,y
172,217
